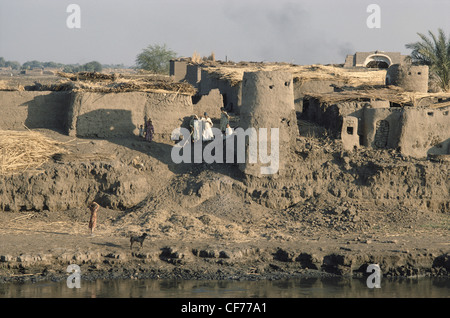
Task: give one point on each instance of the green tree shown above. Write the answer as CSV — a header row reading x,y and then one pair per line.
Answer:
x,y
69,69
433,51
93,66
155,58
31,64
14,65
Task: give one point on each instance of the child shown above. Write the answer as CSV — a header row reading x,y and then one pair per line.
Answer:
x,y
228,131
141,131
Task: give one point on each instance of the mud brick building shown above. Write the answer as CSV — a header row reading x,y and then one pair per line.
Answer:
x,y
374,59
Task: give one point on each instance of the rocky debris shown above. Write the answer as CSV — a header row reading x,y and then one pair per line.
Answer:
x,y
214,263
172,255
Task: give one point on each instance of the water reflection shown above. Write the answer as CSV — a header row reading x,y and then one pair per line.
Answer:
x,y
291,288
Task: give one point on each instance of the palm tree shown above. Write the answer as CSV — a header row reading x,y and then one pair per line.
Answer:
x,y
433,51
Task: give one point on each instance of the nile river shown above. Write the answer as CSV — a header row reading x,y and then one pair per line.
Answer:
x,y
289,288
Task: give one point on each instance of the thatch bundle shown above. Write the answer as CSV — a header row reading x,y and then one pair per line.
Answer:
x,y
105,83
24,150
57,87
301,73
390,93
84,76
7,86
138,85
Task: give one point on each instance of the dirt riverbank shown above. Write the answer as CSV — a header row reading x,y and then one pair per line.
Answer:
x,y
333,214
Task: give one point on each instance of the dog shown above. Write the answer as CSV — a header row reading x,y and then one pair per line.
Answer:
x,y
138,239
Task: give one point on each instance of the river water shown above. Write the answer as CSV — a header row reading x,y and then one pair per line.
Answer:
x,y
287,288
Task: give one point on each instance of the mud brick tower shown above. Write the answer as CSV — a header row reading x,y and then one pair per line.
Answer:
x,y
268,102
413,78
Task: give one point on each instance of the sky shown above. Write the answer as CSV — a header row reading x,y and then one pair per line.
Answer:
x,y
294,31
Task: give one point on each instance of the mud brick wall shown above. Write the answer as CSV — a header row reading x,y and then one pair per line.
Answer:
x,y
232,94
210,103
425,131
301,88
34,109
359,58
381,127
168,111
193,75
178,70
330,115
105,115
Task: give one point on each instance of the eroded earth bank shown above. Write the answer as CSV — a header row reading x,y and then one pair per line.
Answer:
x,y
334,213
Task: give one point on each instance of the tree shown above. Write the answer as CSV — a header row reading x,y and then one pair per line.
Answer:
x,y
93,66
155,58
31,64
433,51
13,64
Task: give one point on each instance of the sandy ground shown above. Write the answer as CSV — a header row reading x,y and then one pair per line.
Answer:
x,y
207,222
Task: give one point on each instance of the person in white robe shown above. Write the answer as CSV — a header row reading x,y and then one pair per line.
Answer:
x,y
207,131
196,129
228,131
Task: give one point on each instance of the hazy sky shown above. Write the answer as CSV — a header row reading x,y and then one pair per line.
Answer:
x,y
298,31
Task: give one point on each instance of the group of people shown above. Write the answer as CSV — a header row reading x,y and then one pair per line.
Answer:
x,y
147,131
201,128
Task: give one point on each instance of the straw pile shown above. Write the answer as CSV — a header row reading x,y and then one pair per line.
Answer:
x,y
105,83
83,76
302,73
25,150
390,93
6,86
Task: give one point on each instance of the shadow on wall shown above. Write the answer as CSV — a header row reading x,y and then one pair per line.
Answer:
x,y
48,111
105,123
441,148
117,127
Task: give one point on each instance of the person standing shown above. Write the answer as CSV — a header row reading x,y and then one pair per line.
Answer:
x,y
141,131
93,207
207,132
149,130
224,120
228,131
196,129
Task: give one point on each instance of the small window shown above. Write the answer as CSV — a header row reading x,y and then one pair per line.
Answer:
x,y
419,73
409,73
430,113
271,86
286,83
349,130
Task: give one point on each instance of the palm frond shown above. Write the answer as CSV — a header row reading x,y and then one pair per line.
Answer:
x,y
434,51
